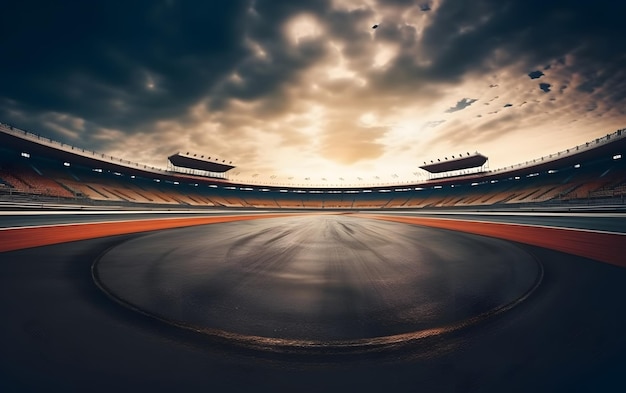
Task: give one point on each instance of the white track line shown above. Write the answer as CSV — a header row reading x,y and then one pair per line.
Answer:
x,y
522,225
103,222
103,212
529,214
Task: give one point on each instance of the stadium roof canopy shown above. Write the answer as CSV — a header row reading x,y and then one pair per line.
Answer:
x,y
195,161
456,164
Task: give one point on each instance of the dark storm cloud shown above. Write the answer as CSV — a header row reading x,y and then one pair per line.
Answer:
x,y
485,35
426,6
117,63
129,64
77,69
398,3
464,103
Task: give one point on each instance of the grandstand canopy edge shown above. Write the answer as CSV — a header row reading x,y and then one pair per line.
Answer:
x,y
456,164
200,163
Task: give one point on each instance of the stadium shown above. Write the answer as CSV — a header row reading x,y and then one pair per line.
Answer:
x,y
130,275
313,196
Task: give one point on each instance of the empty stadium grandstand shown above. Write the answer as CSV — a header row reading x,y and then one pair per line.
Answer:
x,y
405,275
36,168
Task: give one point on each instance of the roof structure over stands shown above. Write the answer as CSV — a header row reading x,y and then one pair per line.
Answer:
x,y
611,146
456,164
194,161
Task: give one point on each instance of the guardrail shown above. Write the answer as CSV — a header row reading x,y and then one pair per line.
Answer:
x,y
619,134
6,128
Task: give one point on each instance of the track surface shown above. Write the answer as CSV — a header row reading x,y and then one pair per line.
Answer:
x,y
60,332
321,278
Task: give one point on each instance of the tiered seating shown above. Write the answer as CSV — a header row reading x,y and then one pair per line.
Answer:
x,y
523,196
180,197
584,190
289,203
219,200
263,203
597,178
14,182
472,199
344,202
374,200
199,199
398,201
312,202
85,190
549,193
152,194
30,181
615,187
417,201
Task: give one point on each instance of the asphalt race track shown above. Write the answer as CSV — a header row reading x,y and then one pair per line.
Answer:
x,y
500,316
319,278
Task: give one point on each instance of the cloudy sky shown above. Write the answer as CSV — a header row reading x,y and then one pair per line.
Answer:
x,y
307,91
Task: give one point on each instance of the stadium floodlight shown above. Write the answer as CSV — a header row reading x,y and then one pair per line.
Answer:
x,y
176,183
577,166
284,190
494,181
617,156
367,190
157,180
66,163
437,187
474,184
25,155
97,170
551,171
213,185
517,177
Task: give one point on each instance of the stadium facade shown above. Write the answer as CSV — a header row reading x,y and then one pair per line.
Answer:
x,y
37,168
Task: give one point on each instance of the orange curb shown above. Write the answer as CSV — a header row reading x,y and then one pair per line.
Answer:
x,y
604,247
25,237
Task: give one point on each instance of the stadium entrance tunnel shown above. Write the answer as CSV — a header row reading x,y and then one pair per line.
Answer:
x,y
317,282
